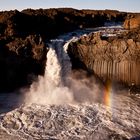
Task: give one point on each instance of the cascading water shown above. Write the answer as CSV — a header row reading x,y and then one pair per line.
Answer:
x,y
58,64
50,89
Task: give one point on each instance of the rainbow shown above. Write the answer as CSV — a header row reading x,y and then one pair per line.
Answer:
x,y
107,93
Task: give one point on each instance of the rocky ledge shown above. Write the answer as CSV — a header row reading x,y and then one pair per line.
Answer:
x,y
114,58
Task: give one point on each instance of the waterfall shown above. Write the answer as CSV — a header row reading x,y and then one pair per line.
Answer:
x,y
58,62
57,87
51,88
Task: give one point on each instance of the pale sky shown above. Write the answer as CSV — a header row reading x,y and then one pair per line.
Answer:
x,y
122,5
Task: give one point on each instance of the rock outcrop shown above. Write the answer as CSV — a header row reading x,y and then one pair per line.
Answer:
x,y
51,22
20,60
132,22
115,58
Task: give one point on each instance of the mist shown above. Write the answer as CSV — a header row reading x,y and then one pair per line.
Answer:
x,y
61,85
77,89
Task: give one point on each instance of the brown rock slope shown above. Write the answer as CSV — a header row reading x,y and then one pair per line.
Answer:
x,y
115,58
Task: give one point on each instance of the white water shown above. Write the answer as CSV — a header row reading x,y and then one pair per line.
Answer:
x,y
50,89
82,122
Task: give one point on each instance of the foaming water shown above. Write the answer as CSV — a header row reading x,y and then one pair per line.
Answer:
x,y
93,121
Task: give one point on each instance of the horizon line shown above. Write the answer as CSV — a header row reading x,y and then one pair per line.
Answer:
x,y
33,8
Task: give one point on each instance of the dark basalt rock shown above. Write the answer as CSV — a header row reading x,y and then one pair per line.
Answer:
x,y
51,22
114,58
21,59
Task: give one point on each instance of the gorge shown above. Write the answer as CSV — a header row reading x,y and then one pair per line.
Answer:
x,y
64,73
23,35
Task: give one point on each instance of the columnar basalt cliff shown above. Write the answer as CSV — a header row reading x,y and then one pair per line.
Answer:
x,y
115,58
23,37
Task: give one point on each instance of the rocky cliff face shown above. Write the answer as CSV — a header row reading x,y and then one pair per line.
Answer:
x,y
116,58
20,60
23,35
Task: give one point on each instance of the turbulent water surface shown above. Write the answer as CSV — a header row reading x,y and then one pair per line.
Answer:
x,y
59,106
94,121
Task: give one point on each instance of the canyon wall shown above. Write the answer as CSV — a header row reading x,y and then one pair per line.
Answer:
x,y
115,58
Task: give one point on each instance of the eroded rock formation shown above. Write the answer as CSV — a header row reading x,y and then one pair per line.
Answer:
x,y
116,58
